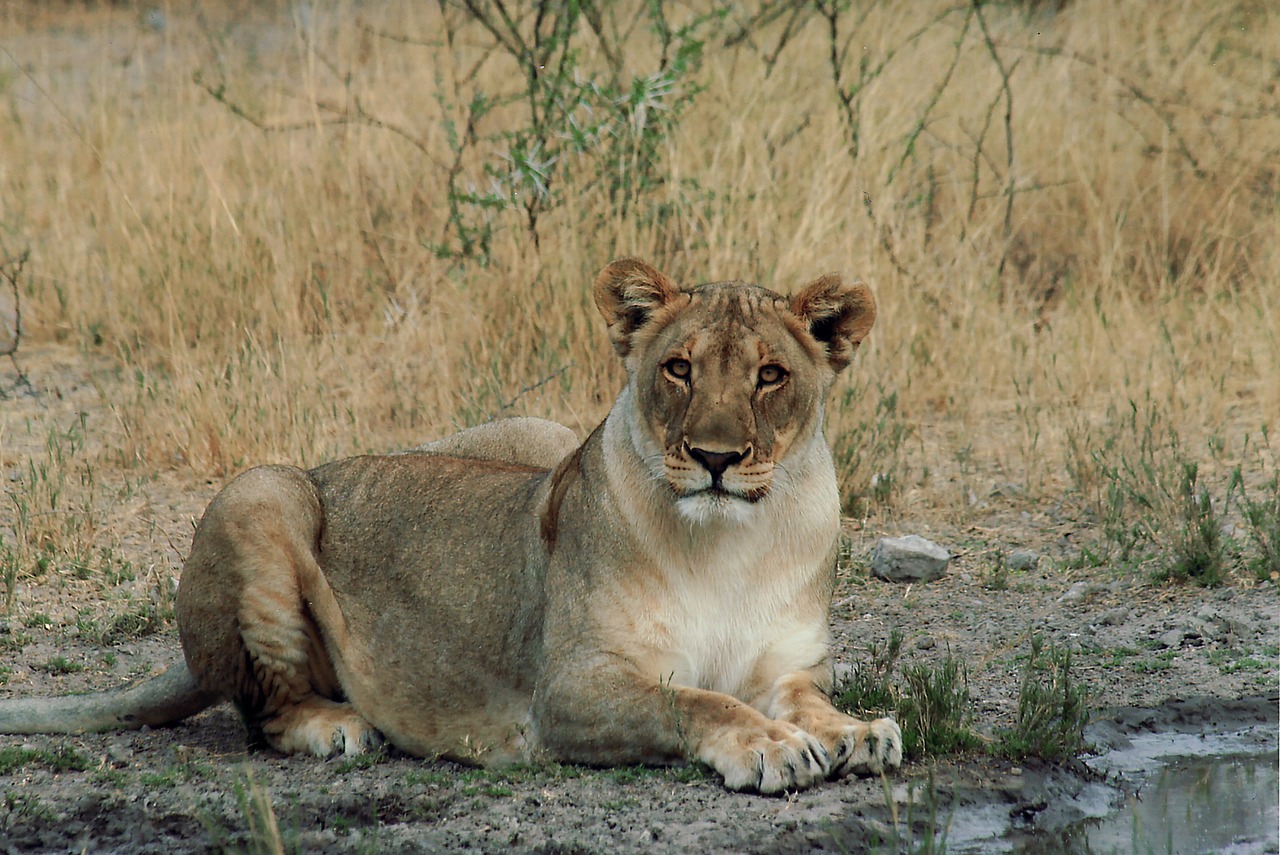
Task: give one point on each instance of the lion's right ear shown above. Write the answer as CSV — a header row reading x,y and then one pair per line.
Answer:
x,y
628,292
839,315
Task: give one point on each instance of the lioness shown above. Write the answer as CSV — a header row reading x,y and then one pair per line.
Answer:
x,y
656,594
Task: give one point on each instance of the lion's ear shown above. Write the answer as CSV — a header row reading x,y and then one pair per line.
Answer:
x,y
839,315
628,292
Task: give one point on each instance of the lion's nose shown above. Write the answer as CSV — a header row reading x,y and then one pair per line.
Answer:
x,y
716,462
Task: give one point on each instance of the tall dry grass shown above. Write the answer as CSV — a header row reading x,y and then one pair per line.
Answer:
x,y
1064,215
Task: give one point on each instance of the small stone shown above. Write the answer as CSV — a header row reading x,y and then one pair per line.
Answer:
x,y
1022,559
1113,617
908,559
926,643
1077,593
842,672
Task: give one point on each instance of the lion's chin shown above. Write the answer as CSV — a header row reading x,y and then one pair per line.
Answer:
x,y
716,505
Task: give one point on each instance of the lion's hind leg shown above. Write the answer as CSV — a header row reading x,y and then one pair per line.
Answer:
x,y
246,611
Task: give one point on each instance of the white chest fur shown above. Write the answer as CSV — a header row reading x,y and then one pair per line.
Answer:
x,y
719,596
723,616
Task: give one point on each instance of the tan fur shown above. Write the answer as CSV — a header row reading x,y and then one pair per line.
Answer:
x,y
657,594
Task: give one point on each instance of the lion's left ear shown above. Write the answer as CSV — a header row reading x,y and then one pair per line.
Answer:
x,y
838,314
627,293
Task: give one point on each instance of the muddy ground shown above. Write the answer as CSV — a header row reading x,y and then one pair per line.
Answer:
x,y
190,788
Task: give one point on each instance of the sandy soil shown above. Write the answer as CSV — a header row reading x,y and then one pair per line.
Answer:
x,y
188,788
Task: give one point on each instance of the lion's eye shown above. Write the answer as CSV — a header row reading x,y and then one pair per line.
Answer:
x,y
680,369
771,375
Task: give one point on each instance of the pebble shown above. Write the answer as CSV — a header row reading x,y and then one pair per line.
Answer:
x,y
1113,617
908,559
1022,559
1077,593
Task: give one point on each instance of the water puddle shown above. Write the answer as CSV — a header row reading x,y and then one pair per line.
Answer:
x,y
1164,793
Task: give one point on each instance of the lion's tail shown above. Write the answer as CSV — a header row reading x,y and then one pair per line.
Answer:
x,y
165,698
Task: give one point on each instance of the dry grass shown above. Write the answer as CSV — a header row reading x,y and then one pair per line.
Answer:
x,y
272,295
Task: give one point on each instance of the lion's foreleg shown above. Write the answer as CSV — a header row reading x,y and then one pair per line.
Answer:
x,y
624,718
860,747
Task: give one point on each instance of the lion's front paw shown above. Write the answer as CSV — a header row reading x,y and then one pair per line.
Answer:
x,y
866,748
783,758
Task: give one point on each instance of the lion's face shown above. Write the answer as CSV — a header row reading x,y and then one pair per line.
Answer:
x,y
725,390
728,380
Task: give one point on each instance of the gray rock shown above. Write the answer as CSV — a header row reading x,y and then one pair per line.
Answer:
x,y
119,755
1113,617
1077,593
908,559
1022,559
1210,624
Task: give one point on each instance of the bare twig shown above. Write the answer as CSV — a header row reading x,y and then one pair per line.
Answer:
x,y
764,16
397,37
795,23
532,387
886,238
1157,106
354,114
910,146
595,21
979,155
849,94
1010,177
11,272
507,35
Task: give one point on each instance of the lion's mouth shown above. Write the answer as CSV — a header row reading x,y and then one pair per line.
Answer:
x,y
720,493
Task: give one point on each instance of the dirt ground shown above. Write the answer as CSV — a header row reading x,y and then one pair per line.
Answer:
x,y
191,788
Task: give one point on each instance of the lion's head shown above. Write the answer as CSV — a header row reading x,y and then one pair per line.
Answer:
x,y
728,380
